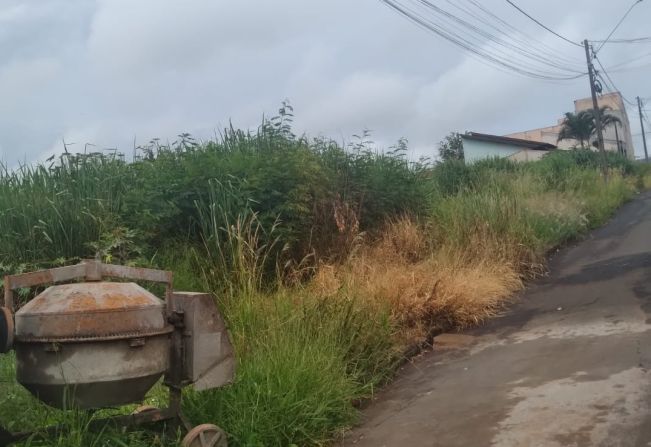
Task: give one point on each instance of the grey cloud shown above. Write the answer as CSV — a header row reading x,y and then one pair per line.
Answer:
x,y
107,71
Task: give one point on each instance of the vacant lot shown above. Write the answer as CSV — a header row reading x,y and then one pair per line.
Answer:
x,y
328,262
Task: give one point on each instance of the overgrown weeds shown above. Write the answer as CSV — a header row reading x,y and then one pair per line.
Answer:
x,y
327,261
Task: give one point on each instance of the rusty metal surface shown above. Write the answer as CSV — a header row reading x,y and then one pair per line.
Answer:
x,y
136,273
209,357
41,277
6,330
92,309
90,270
98,338
50,276
92,375
205,435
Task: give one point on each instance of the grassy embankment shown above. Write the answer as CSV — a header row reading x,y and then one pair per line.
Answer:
x,y
328,263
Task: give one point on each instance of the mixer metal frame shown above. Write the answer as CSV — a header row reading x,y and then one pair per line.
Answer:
x,y
174,380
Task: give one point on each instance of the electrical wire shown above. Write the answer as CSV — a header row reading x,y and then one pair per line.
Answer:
x,y
631,40
618,24
458,33
635,59
512,30
497,40
610,88
526,46
644,114
462,38
625,69
603,70
523,45
467,30
542,25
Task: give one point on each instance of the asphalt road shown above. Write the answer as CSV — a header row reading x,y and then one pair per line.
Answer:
x,y
566,366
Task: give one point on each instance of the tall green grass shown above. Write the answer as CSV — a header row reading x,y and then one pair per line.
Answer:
x,y
302,363
50,213
251,216
523,210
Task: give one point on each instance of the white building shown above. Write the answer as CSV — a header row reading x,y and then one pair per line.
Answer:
x,y
480,146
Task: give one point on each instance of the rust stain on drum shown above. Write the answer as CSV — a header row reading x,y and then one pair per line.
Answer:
x,y
92,309
114,301
91,297
81,301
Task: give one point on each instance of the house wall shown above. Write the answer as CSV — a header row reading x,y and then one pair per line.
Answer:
x,y
474,150
528,155
544,135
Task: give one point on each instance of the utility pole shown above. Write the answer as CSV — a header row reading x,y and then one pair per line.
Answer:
x,y
620,149
639,109
595,107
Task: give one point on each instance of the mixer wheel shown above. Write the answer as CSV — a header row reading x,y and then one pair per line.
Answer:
x,y
6,329
205,435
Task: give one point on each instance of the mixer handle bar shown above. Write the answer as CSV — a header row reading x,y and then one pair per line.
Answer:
x,y
90,270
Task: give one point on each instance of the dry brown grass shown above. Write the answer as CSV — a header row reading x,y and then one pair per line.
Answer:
x,y
425,287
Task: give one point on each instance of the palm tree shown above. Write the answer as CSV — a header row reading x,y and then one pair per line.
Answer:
x,y
582,126
607,119
577,126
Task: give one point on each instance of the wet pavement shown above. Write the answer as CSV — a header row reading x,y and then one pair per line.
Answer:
x,y
566,366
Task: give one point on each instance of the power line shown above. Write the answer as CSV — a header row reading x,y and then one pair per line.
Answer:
x,y
607,82
625,69
616,26
451,36
631,40
463,26
608,78
635,59
525,39
514,37
631,103
495,39
456,31
646,117
542,25
609,88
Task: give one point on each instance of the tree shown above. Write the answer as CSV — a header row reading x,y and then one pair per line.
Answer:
x,y
582,126
451,147
577,126
607,119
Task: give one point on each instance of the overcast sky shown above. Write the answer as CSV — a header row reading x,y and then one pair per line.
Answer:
x,y
108,72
